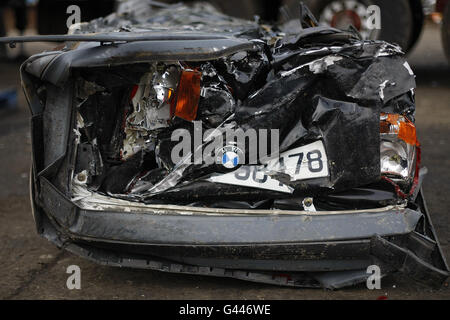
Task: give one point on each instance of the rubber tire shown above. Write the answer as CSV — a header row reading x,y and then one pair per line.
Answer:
x,y
418,22
396,18
52,16
445,31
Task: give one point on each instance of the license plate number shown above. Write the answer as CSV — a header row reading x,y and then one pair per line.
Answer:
x,y
302,163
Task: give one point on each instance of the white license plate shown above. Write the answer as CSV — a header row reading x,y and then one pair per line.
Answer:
x,y
306,162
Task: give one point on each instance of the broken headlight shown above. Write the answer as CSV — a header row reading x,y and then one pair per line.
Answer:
x,y
398,148
164,92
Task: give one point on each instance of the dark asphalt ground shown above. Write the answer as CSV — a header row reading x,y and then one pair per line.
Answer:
x,y
32,268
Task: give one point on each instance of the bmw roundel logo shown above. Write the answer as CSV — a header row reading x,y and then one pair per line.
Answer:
x,y
230,159
229,156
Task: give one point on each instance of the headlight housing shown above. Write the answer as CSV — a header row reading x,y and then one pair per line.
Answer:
x,y
398,148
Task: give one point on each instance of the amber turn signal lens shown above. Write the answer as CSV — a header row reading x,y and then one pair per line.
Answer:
x,y
185,105
400,126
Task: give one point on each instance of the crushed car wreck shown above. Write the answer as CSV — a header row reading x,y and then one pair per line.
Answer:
x,y
133,164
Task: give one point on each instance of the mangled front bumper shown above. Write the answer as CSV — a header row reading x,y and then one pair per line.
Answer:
x,y
318,249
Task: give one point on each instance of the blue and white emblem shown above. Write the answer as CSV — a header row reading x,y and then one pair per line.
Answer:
x,y
229,156
230,160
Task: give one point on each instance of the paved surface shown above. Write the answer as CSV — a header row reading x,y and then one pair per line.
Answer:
x,y
32,268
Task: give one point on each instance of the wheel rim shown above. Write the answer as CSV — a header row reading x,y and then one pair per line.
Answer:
x,y
341,14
